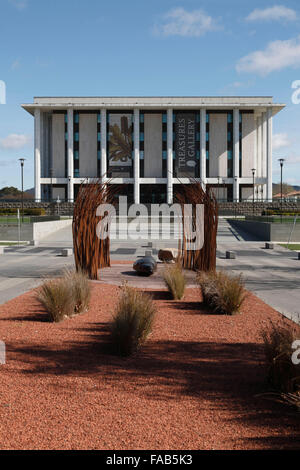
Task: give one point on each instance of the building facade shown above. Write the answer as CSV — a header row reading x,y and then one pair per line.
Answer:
x,y
152,145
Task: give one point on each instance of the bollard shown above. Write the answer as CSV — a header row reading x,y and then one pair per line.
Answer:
x,y
66,252
230,255
34,243
269,246
1,250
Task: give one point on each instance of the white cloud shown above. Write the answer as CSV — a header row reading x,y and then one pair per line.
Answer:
x,y
275,13
276,56
19,4
179,22
15,141
280,141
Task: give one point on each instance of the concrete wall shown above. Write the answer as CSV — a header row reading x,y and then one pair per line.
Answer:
x,y
88,145
266,231
58,145
36,231
248,133
153,145
247,194
218,145
42,229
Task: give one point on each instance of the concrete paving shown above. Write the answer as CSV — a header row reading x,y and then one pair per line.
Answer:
x,y
273,275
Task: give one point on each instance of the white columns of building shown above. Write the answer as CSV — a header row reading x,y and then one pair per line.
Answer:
x,y
136,163
203,146
170,156
269,154
70,155
236,154
37,154
264,152
103,145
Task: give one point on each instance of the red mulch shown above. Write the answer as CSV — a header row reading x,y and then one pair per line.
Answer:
x,y
193,385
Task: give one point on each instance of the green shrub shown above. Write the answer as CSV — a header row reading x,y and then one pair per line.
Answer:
x,y
282,374
14,211
175,280
132,321
66,296
222,292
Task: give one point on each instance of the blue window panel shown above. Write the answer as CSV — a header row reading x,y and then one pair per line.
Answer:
x,y
229,118
207,136
198,154
229,154
198,136
164,155
141,155
132,155
66,118
198,117
142,118
207,118
66,136
229,137
76,173
240,135
76,137
99,136
76,155
174,155
240,117
174,117
240,155
98,118
164,117
142,136
207,154
99,155
164,136
76,118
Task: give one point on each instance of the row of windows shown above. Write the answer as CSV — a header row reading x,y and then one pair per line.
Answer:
x,y
164,141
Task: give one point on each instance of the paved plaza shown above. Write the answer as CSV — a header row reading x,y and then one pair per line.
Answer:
x,y
273,275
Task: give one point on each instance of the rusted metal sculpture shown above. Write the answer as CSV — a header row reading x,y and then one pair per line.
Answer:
x,y
91,252
203,259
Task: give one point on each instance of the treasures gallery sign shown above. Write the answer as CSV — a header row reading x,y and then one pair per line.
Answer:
x,y
185,144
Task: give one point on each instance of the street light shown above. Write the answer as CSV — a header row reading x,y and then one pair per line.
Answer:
x,y
22,160
281,161
253,175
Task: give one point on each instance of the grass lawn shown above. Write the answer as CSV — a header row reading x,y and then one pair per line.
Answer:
x,y
13,220
10,243
295,246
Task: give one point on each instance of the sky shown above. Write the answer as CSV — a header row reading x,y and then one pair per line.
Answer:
x,y
142,48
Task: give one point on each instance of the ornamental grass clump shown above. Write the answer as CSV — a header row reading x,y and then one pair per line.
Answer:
x,y
66,296
175,280
132,321
282,362
222,292
283,375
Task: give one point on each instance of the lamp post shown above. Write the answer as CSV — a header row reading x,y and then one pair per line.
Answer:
x,y
22,160
281,161
253,176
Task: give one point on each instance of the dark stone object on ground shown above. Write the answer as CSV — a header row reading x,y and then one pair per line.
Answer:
x,y
270,246
145,266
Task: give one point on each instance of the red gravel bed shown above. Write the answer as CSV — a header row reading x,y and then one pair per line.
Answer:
x,y
193,385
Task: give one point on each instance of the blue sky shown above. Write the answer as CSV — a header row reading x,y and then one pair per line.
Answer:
x,y
166,47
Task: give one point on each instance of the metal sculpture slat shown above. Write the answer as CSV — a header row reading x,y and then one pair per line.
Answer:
x,y
91,253
199,259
